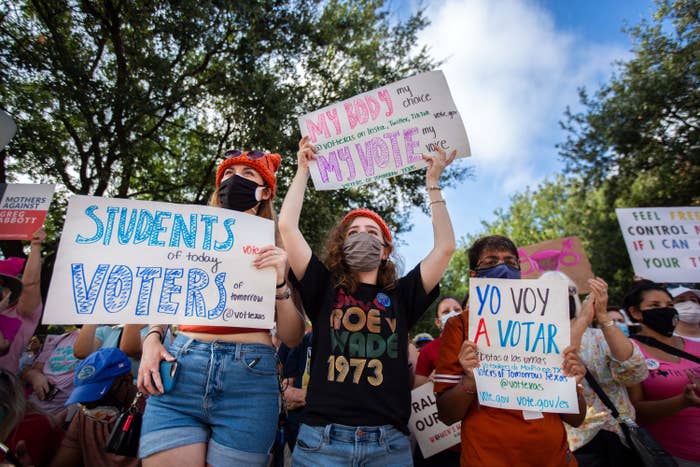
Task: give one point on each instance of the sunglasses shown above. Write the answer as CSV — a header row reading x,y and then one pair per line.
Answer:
x,y
252,155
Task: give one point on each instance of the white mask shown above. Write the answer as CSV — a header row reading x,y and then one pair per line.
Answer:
x,y
449,315
688,312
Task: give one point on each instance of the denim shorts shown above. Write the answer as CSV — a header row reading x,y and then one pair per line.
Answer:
x,y
225,394
352,446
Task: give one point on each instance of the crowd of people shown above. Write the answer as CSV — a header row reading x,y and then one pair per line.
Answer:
x,y
331,385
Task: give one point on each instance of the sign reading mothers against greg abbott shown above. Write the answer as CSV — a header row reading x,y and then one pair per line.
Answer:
x,y
382,133
663,243
521,328
125,261
23,208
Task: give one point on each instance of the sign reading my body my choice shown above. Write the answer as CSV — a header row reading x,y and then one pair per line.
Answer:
x,y
382,133
663,243
129,262
521,328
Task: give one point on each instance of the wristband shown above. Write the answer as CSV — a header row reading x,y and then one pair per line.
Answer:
x,y
161,336
608,324
282,284
433,187
437,202
284,295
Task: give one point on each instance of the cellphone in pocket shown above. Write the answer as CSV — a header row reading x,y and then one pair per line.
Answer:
x,y
168,371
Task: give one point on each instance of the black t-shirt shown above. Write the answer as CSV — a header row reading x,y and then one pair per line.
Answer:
x,y
359,360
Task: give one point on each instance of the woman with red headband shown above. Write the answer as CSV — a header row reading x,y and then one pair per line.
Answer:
x,y
223,408
357,404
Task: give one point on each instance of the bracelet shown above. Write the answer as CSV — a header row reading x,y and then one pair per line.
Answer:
x,y
437,202
161,336
284,295
607,324
579,387
284,282
433,187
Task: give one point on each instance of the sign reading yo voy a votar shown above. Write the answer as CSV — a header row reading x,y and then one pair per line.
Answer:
x,y
130,262
384,132
520,328
663,243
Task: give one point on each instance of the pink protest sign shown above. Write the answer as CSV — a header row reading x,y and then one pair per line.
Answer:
x,y
563,254
23,208
384,132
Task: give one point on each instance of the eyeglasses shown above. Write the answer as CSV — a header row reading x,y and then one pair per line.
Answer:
x,y
491,261
252,155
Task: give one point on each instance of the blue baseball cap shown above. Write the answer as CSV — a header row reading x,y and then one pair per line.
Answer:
x,y
95,375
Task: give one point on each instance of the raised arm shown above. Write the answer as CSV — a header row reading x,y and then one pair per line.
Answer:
x,y
130,342
86,342
30,297
298,250
433,266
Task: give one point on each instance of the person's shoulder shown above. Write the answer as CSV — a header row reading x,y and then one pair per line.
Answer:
x,y
691,346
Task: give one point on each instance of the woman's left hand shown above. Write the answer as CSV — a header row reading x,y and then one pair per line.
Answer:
x,y
272,256
573,365
437,164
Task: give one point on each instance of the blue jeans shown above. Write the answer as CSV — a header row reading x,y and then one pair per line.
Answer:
x,y
351,446
225,395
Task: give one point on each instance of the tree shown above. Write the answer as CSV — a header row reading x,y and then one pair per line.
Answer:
x,y
640,133
635,143
138,99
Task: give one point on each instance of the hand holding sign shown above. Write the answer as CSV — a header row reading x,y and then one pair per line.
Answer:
x,y
437,163
573,366
469,360
305,154
272,257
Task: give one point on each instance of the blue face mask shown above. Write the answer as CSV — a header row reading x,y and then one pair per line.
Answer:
x,y
623,327
499,271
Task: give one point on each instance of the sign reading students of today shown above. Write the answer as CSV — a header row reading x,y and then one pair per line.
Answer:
x,y
130,262
520,328
383,133
663,243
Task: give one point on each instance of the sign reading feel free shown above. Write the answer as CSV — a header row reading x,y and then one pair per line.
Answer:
x,y
129,262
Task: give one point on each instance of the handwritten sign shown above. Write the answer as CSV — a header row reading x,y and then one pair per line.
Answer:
x,y
663,243
134,262
521,327
23,208
563,254
382,133
432,435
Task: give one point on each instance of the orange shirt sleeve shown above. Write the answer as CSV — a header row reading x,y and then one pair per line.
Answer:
x,y
448,371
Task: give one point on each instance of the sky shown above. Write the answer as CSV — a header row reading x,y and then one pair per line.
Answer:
x,y
513,67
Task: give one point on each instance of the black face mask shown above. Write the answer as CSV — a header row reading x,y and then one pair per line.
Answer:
x,y
661,320
238,193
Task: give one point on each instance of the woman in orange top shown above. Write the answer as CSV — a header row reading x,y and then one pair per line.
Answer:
x,y
223,407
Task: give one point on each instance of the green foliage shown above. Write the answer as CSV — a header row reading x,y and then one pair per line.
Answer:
x,y
138,99
637,143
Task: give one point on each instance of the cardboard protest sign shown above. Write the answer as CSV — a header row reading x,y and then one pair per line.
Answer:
x,y
23,208
521,327
432,435
563,254
130,262
382,133
663,243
